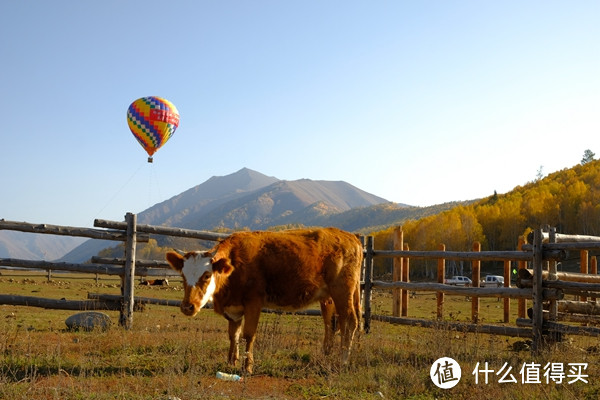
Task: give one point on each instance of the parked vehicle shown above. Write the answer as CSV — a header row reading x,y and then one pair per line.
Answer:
x,y
458,281
493,281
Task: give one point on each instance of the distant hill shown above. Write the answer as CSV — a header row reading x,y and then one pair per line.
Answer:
x,y
248,199
204,198
31,246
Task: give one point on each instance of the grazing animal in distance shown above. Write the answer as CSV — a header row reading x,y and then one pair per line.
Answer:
x,y
154,282
287,270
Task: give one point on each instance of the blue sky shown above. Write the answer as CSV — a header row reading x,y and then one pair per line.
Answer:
x,y
419,102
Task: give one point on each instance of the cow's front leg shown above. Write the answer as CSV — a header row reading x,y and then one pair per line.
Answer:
x,y
251,315
234,339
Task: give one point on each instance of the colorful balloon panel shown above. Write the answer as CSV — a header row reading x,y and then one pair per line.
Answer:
x,y
153,121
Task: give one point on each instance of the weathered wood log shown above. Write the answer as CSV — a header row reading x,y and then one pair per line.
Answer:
x,y
563,238
456,255
580,318
576,288
57,304
513,293
162,230
128,277
579,307
458,326
45,265
138,263
141,301
538,298
572,246
562,328
563,276
142,267
66,231
137,299
548,254
368,278
85,268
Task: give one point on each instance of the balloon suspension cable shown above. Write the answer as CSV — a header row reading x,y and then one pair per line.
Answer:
x,y
150,159
120,191
154,192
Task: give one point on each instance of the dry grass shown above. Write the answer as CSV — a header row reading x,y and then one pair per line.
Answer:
x,y
167,355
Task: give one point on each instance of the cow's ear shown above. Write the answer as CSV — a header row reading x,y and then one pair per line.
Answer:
x,y
175,260
222,265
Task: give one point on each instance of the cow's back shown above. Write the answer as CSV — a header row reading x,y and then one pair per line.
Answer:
x,y
292,269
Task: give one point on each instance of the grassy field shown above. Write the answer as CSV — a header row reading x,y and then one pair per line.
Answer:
x,y
169,356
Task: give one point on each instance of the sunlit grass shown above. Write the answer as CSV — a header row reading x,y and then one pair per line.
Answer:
x,y
169,355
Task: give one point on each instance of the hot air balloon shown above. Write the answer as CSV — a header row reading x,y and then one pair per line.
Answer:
x,y
152,121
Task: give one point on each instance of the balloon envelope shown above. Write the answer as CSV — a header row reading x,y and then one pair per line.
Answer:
x,y
152,121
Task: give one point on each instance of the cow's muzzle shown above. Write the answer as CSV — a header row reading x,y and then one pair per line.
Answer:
x,y
188,309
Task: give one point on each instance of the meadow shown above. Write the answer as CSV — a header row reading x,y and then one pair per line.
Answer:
x,y
169,356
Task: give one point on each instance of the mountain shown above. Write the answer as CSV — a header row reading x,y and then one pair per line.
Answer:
x,y
246,199
32,246
249,199
204,198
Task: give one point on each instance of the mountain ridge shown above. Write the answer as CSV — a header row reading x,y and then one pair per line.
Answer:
x,y
247,199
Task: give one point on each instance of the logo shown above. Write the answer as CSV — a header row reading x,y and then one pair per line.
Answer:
x,y
445,373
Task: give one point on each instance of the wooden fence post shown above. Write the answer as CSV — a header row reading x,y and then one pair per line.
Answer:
x,y
553,315
522,304
405,278
476,278
397,272
368,282
538,311
507,284
594,269
583,255
126,316
441,274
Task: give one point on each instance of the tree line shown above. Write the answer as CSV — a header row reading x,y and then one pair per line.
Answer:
x,y
568,200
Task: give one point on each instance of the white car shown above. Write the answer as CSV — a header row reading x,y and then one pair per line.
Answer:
x,y
458,281
493,281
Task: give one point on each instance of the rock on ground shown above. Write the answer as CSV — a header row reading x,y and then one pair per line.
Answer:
x,y
88,320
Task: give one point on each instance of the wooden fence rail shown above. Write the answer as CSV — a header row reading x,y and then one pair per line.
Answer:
x,y
511,293
163,230
115,235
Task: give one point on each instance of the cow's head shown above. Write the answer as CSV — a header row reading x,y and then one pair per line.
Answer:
x,y
198,272
198,280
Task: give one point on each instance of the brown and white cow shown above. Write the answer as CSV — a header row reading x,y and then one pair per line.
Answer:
x,y
285,270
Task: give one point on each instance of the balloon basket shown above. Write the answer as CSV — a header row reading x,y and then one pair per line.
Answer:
x,y
150,159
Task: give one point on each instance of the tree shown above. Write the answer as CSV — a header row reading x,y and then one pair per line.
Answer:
x,y
588,156
540,174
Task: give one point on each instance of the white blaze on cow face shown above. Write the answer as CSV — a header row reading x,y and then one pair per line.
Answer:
x,y
198,274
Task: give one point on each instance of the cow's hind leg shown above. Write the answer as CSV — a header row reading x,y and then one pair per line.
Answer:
x,y
328,313
234,339
348,320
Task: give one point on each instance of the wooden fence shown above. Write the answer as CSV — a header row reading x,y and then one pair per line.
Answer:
x,y
545,289
541,284
128,232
